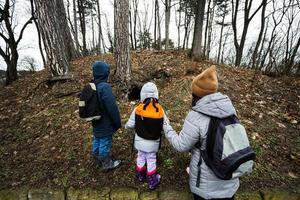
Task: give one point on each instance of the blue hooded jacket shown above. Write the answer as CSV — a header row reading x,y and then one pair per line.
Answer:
x,y
110,120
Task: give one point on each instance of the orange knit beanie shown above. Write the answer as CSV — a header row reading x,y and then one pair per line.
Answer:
x,y
206,82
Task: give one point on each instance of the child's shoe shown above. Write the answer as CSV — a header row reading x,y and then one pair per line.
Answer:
x,y
141,174
153,180
107,163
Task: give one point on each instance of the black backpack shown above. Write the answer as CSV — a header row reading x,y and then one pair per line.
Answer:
x,y
227,152
90,107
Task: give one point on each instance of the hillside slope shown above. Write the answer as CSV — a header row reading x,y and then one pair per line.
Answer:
x,y
44,143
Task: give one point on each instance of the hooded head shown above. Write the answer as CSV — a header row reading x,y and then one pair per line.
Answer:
x,y
149,90
205,83
100,71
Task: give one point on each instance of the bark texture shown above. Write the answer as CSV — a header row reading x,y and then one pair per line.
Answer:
x,y
58,43
121,51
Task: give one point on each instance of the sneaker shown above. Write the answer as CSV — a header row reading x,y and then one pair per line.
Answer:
x,y
107,163
153,181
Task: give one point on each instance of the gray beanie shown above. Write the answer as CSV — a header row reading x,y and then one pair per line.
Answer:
x,y
149,90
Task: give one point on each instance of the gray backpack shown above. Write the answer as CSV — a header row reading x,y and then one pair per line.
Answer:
x,y
227,152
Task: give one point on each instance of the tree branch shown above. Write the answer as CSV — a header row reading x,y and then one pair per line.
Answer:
x,y
2,53
256,11
4,38
22,31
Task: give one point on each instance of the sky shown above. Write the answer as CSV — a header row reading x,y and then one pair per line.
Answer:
x,y
29,44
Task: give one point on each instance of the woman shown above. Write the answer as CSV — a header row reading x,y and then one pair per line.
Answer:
x,y
206,102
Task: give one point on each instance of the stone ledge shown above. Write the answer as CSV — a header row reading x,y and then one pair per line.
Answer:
x,y
131,194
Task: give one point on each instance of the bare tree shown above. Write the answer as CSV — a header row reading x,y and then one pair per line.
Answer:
x,y
210,30
110,37
33,13
239,45
188,15
82,12
56,35
178,23
29,63
135,16
158,26
167,22
261,32
222,12
75,25
197,52
276,19
99,27
121,51
11,40
227,34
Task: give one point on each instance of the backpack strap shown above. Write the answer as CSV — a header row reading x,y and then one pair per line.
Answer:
x,y
213,124
146,102
98,93
199,169
153,103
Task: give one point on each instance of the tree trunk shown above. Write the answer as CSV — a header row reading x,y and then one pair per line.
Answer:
x,y
130,28
81,12
99,28
93,32
56,35
206,27
75,26
155,22
11,70
179,24
33,13
158,27
121,51
210,25
197,52
239,46
291,61
135,22
260,36
167,22
221,37
223,48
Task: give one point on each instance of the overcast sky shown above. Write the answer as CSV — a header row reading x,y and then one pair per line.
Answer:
x,y
29,44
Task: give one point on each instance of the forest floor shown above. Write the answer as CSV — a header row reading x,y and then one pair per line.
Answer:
x,y
43,143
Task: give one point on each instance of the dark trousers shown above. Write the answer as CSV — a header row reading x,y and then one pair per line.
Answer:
x,y
196,197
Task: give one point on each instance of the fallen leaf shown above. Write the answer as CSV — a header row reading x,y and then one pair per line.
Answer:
x,y
294,121
254,136
292,175
248,121
280,125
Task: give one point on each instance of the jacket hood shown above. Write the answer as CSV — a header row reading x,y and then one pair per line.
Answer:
x,y
215,105
149,90
100,71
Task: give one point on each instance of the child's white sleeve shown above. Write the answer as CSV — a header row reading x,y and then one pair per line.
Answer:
x,y
131,121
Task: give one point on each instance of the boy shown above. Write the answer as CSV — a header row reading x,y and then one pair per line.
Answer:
x,y
109,123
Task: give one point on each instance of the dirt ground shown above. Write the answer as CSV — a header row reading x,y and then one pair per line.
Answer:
x,y
44,143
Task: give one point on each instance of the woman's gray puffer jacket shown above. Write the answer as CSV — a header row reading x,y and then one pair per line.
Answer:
x,y
195,127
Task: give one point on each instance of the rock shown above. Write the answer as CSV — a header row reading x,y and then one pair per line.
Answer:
x,y
280,195
149,196
13,195
45,194
102,194
124,194
248,196
175,195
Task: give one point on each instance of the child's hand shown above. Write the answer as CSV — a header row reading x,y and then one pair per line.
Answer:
x,y
166,120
